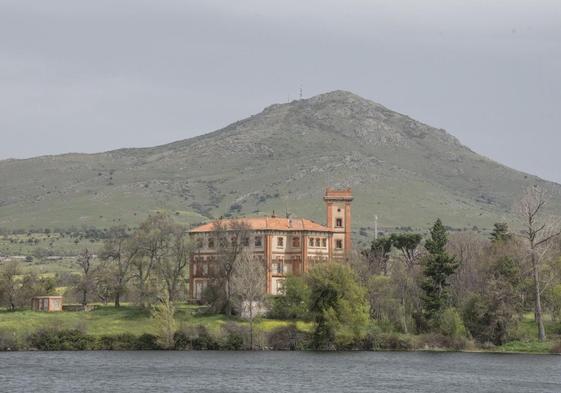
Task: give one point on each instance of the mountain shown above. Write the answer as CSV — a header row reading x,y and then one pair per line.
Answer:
x,y
406,172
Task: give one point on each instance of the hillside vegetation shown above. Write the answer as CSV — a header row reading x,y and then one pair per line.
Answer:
x,y
281,159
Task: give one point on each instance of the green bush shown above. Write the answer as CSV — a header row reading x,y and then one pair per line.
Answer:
x,y
451,324
147,342
181,341
62,340
287,338
390,341
233,342
204,341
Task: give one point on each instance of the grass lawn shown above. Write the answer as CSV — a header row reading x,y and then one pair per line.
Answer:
x,y
127,319
528,332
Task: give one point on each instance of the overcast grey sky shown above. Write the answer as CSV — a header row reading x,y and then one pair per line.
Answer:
x,y
89,76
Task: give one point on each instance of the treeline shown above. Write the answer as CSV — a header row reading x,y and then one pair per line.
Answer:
x,y
141,266
456,287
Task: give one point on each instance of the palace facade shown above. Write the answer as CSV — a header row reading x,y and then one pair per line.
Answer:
x,y
285,245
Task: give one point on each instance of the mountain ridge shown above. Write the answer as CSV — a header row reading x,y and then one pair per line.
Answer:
x,y
405,171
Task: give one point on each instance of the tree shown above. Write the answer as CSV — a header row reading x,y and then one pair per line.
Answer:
x,y
491,315
338,305
164,317
437,269
119,253
500,233
173,266
408,244
472,253
248,284
86,282
9,284
152,238
231,238
379,255
293,302
538,234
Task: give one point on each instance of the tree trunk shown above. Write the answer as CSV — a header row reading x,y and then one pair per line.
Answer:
x,y
250,326
84,298
538,308
228,306
118,299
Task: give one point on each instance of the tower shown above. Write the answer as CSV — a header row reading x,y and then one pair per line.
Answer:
x,y
338,205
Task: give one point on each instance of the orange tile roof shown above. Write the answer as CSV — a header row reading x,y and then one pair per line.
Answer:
x,y
267,223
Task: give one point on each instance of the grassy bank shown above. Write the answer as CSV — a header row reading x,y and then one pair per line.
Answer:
x,y
130,320
107,320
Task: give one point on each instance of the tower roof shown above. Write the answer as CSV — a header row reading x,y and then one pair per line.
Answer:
x,y
344,194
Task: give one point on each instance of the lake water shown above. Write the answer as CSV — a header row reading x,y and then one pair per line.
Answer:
x,y
277,372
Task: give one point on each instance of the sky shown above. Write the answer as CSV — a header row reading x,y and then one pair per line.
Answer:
x,y
90,76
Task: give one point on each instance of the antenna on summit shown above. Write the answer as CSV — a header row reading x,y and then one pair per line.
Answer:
x,y
300,95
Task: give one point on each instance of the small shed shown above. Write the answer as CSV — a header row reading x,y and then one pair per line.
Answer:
x,y
47,303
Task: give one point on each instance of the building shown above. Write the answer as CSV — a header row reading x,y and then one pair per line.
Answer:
x,y
47,303
285,245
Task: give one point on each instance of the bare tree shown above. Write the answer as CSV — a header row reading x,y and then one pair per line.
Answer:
x,y
152,238
86,283
9,284
119,252
248,284
471,252
172,268
538,233
232,237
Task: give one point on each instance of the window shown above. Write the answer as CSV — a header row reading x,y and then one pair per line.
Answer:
x,y
318,242
295,242
339,222
311,242
246,241
324,242
258,241
210,243
338,243
280,286
199,243
277,266
280,241
339,210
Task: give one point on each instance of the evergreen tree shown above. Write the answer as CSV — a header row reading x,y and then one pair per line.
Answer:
x,y
438,267
500,233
